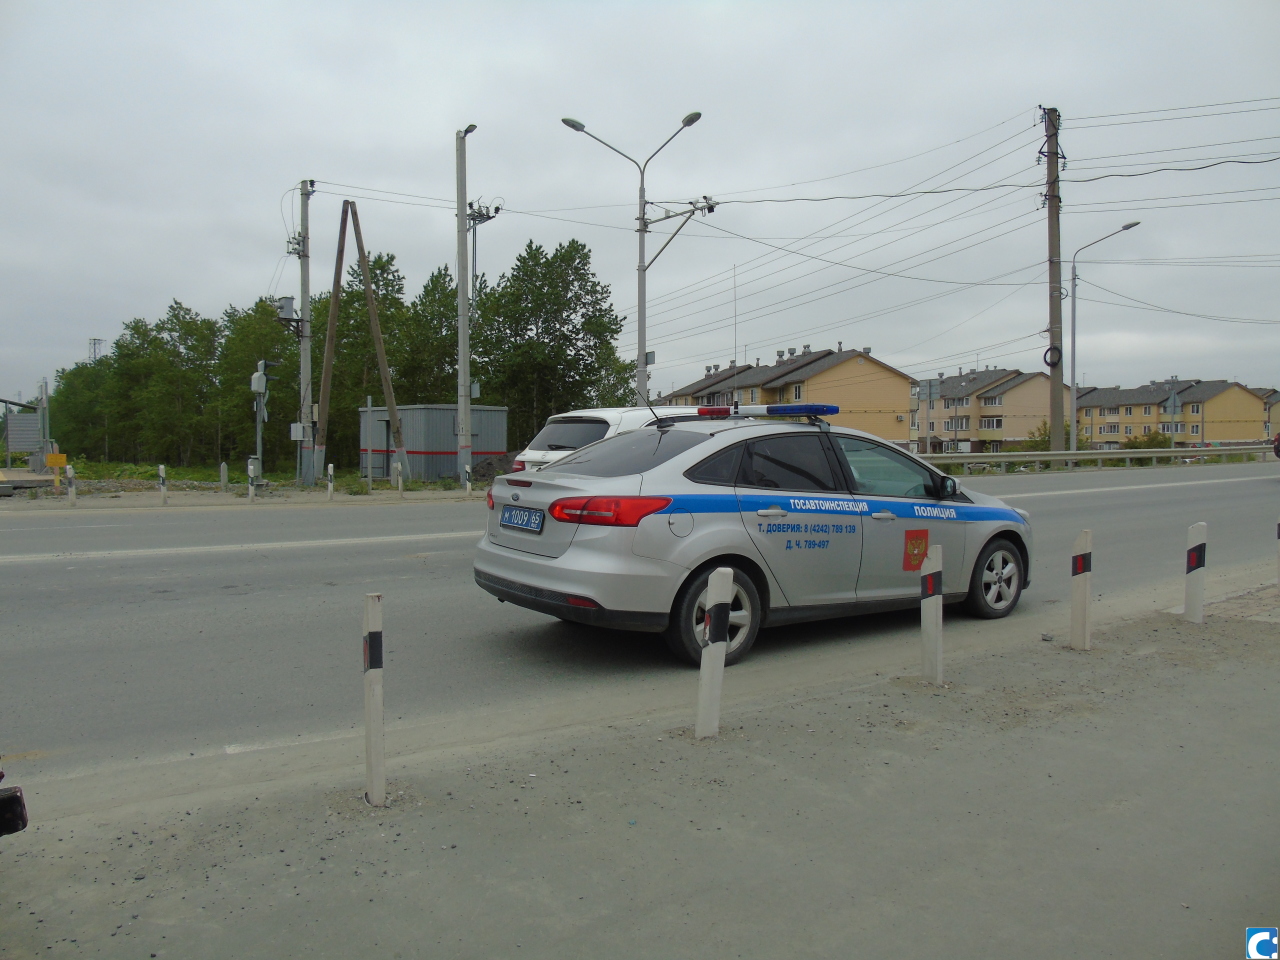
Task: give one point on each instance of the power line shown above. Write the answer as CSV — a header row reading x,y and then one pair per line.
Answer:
x,y
1201,106
1185,313
1191,116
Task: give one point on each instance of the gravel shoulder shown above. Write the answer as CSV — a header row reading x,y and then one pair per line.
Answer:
x,y
1043,802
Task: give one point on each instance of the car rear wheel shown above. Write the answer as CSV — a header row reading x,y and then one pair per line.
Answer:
x,y
996,584
687,633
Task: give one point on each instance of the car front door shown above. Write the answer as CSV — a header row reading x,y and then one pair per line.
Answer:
x,y
905,518
801,518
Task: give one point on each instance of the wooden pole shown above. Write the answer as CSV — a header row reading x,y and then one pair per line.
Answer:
x,y
931,615
1081,585
374,758
326,376
388,392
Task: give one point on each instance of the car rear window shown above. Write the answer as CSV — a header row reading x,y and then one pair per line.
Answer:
x,y
628,453
569,434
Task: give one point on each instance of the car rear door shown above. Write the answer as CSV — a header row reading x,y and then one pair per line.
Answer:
x,y
905,519
793,502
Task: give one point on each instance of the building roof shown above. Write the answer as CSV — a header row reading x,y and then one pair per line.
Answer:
x,y
1157,392
707,382
820,362
967,384
1005,386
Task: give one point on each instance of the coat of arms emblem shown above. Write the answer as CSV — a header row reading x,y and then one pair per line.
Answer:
x,y
915,549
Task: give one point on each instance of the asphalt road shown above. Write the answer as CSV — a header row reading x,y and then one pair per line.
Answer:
x,y
145,634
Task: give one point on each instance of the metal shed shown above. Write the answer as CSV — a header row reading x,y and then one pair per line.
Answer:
x,y
430,438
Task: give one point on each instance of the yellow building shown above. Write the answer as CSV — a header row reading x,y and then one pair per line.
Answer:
x,y
1190,411
872,395
982,410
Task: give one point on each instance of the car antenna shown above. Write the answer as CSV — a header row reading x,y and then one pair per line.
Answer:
x,y
659,422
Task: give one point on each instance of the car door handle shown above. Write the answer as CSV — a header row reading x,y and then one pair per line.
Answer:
x,y
771,512
884,515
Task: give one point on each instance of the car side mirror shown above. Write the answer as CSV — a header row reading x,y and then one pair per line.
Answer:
x,y
947,487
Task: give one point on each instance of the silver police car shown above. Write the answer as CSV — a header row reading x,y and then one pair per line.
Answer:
x,y
816,522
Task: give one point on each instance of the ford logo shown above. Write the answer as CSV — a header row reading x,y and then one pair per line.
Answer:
x,y
515,496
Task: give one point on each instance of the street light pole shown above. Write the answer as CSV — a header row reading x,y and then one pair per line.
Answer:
x,y
1074,426
464,311
642,265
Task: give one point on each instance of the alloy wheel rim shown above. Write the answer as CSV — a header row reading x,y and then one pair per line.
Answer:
x,y
1000,580
740,616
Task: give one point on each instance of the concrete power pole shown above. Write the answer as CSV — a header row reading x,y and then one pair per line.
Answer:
x,y
1053,356
464,318
307,418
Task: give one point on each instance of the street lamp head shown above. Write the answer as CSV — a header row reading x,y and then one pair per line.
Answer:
x,y
1130,226
688,121
574,124
471,128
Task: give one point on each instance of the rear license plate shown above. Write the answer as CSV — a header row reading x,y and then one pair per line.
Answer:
x,y
521,518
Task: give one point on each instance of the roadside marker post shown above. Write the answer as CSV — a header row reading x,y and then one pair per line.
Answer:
x,y
330,495
1197,544
1278,552
931,616
222,477
374,758
399,474
1081,584
711,671
71,484
164,487
250,472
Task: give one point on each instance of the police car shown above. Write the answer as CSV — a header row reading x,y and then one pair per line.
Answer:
x,y
816,521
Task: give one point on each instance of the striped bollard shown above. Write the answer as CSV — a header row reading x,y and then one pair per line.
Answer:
x,y
71,484
931,616
330,494
250,472
374,759
1197,543
222,477
711,670
164,487
1081,584
399,474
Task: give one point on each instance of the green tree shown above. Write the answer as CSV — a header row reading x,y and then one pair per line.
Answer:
x,y
1148,441
247,337
543,339
78,414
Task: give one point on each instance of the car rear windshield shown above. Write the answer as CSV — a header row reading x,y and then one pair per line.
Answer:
x,y
569,434
628,453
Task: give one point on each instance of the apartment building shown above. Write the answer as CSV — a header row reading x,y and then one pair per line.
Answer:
x,y
871,394
1190,411
982,410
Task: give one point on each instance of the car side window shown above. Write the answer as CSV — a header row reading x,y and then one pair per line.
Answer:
x,y
880,471
719,468
796,462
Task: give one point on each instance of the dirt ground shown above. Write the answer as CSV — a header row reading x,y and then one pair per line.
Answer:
x,y
1044,802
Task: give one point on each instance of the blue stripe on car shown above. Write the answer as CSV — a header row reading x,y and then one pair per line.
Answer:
x,y
840,506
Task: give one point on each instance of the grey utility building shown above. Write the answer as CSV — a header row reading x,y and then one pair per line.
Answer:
x,y
430,438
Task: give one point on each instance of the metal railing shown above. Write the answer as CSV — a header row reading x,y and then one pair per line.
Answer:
x,y
1099,457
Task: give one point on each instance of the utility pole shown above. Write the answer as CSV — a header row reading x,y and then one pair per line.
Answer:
x,y
1053,355
464,316
306,417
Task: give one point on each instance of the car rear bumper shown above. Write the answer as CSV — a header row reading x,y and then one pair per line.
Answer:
x,y
558,605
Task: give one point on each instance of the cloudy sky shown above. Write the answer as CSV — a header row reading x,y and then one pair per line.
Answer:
x,y
149,151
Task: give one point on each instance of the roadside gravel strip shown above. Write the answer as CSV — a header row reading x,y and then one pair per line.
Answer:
x,y
1045,802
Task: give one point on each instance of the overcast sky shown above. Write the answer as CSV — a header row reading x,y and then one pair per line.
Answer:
x,y
148,152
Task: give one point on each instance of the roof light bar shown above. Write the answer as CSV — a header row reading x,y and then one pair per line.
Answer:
x,y
773,410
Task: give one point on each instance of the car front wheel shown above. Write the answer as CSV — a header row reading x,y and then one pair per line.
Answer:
x,y
687,633
996,583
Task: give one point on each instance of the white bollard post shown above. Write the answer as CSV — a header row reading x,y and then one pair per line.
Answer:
x,y
71,484
374,759
164,487
399,474
249,471
1278,552
1197,542
330,496
222,477
931,616
468,478
711,671
1081,598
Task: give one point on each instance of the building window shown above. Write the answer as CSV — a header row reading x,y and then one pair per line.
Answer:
x,y
1180,427
931,427
1195,429
1110,411
1128,431
754,396
1088,411
1166,428
964,402
992,423
1088,430
915,424
1108,428
1146,412
1146,429
795,392
1128,411
955,424
1195,408
931,403
995,446
993,401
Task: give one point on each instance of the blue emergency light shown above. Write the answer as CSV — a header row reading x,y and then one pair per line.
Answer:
x,y
773,410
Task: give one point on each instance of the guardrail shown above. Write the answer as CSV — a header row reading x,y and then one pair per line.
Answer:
x,y
1072,459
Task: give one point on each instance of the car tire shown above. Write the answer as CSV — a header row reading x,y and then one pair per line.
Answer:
x,y
685,634
995,585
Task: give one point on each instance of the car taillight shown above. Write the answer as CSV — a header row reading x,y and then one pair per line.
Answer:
x,y
488,497
607,511
517,466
